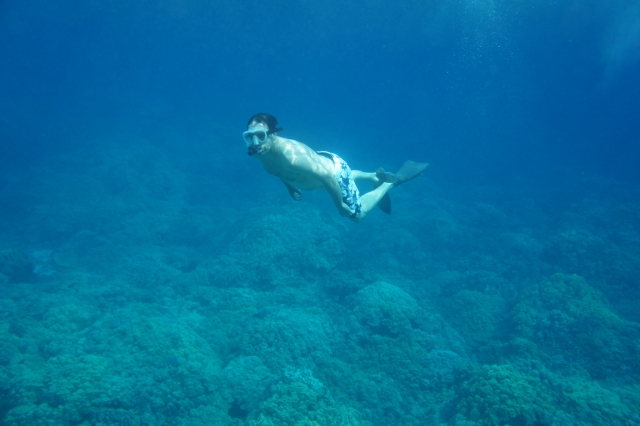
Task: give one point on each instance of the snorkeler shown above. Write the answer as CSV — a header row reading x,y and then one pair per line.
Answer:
x,y
300,167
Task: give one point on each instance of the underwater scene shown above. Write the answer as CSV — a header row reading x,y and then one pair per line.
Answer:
x,y
153,273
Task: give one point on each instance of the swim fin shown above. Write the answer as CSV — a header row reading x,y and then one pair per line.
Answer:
x,y
409,170
385,202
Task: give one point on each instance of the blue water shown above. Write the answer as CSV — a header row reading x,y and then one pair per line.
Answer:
x,y
154,274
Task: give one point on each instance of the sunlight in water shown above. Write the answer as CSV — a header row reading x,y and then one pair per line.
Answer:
x,y
621,47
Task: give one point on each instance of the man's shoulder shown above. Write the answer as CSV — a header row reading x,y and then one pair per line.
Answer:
x,y
284,142
301,156
292,147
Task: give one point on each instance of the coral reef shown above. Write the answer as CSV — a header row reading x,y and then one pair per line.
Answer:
x,y
298,405
576,327
386,309
147,301
498,394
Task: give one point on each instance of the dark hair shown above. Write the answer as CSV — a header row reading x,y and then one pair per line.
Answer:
x,y
269,120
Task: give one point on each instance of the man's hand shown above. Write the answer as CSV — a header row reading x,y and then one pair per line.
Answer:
x,y
295,193
345,210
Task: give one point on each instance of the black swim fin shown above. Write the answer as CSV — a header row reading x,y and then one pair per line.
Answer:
x,y
385,202
409,170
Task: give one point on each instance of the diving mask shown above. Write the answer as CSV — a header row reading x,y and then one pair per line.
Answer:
x,y
255,136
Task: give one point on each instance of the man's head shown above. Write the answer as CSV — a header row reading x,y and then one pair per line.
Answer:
x,y
268,120
260,129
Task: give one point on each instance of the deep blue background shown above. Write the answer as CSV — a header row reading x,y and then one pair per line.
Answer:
x,y
144,257
483,90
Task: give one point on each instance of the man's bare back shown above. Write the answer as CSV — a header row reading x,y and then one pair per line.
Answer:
x,y
300,167
296,164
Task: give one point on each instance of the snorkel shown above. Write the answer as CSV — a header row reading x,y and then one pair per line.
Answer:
x,y
252,150
255,138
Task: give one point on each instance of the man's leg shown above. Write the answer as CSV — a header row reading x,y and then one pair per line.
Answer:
x,y
358,175
371,198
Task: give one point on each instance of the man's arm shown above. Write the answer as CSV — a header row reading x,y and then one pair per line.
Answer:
x,y
295,193
306,162
332,187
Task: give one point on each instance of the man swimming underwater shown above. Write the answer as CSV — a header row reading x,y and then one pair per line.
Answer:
x,y
300,167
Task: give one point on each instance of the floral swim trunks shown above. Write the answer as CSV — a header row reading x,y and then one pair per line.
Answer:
x,y
350,193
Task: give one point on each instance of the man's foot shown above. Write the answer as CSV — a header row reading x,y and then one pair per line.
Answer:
x,y
384,177
409,170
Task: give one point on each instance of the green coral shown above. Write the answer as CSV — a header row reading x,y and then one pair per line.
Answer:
x,y
275,250
66,381
604,264
296,404
474,315
130,372
286,337
597,405
497,394
572,321
568,295
247,378
386,308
